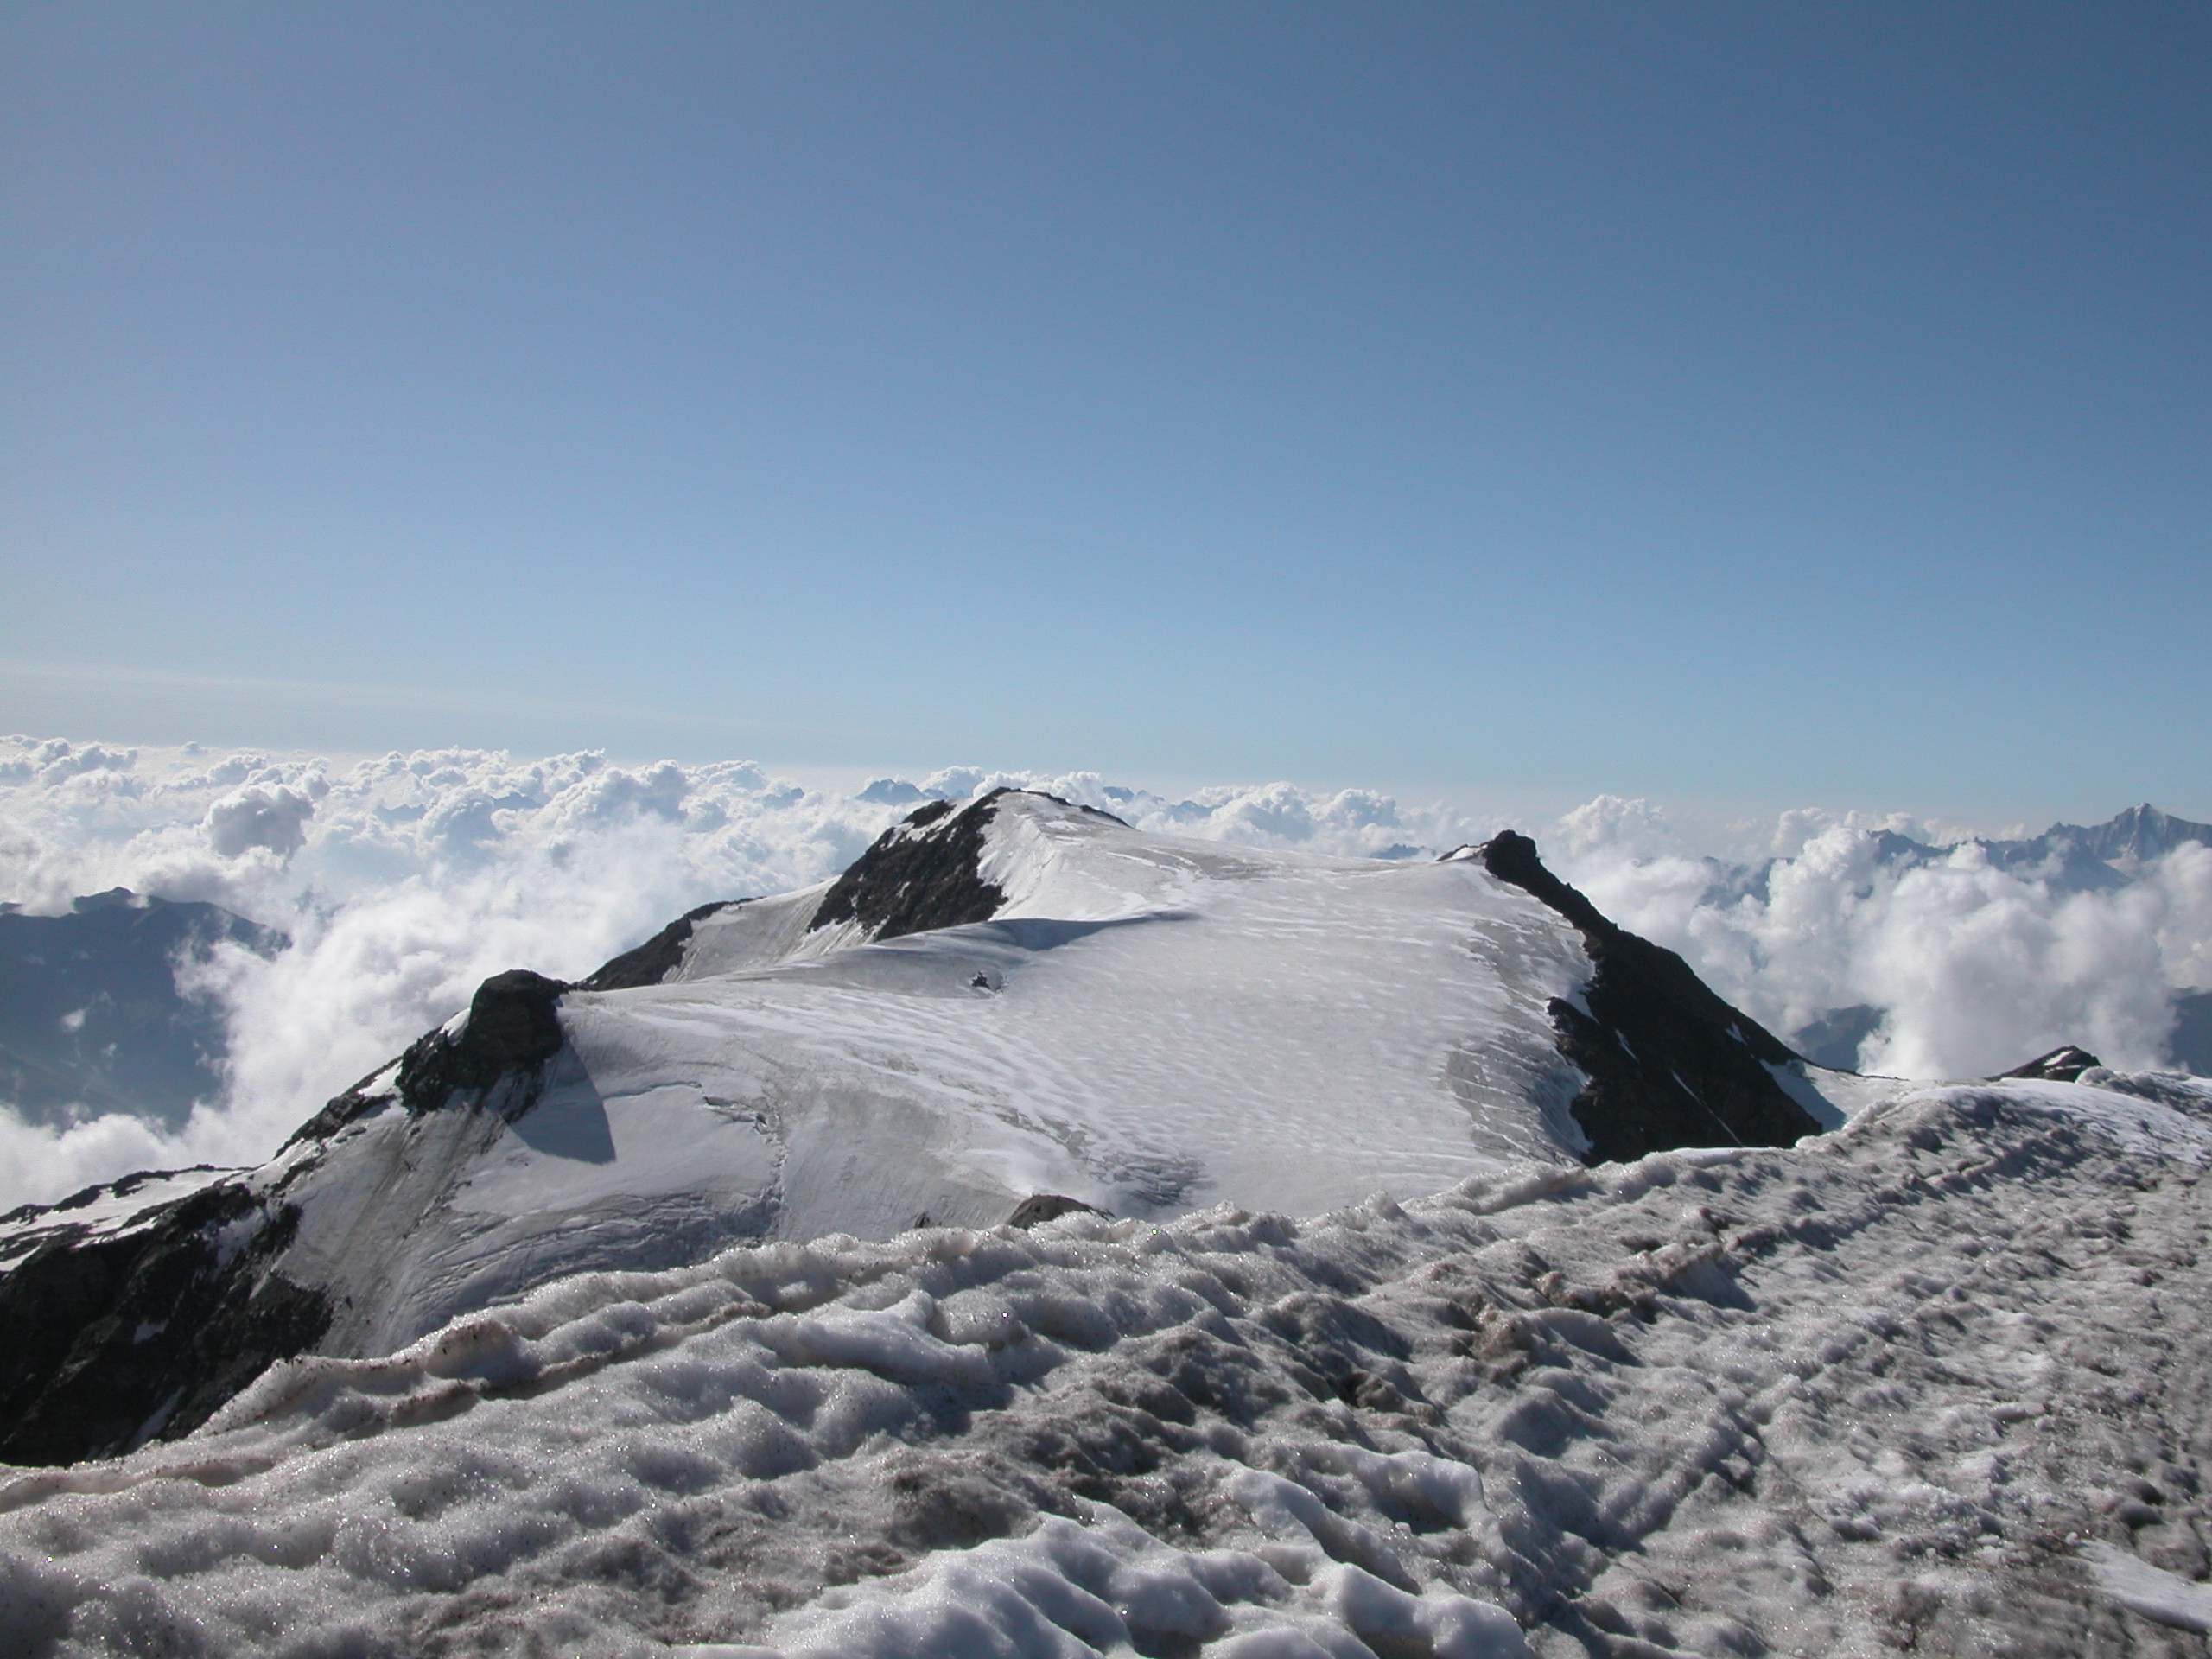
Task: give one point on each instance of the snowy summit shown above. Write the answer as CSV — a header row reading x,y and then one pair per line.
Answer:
x,y
1015,1007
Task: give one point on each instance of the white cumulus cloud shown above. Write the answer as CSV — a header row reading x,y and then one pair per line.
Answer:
x,y
1972,967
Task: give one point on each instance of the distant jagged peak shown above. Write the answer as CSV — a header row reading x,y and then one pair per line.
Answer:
x,y
2075,856
890,792
2139,832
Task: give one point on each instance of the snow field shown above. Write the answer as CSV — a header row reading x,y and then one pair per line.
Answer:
x,y
1150,1024
1877,1393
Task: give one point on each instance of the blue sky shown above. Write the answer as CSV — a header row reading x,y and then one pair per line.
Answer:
x,y
1729,404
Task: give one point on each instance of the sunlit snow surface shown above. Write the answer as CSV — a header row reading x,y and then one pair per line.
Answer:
x,y
1935,1383
1149,1025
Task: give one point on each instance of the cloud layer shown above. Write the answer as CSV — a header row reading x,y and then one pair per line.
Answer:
x,y
1974,967
405,880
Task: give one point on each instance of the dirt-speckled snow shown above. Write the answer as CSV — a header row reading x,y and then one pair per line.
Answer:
x,y
1934,1383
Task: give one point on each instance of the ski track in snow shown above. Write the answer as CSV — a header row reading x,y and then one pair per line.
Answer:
x,y
1933,1383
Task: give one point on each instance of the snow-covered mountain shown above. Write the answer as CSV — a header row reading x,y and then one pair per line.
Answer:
x,y
1010,1008
1597,1379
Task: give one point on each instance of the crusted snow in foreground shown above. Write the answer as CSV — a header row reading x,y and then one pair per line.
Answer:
x,y
1933,1382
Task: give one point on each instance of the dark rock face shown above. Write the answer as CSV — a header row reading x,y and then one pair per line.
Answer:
x,y
2062,1065
1041,1207
921,873
511,1026
1669,1062
657,957
113,1340
90,1012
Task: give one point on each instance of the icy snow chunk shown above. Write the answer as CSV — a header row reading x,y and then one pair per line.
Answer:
x,y
895,1344
2151,1590
1444,1626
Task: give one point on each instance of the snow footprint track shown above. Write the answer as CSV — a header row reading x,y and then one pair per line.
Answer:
x,y
1872,1395
1967,1417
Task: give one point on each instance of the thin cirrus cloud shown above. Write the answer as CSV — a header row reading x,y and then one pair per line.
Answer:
x,y
405,879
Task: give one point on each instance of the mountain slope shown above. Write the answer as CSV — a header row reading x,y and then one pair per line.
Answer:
x,y
1016,1000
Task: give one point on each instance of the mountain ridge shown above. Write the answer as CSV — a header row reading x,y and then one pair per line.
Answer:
x,y
1082,1016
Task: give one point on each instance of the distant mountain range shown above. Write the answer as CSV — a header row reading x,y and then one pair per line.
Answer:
x,y
2071,857
91,1017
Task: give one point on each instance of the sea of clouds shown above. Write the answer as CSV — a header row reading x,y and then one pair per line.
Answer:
x,y
405,880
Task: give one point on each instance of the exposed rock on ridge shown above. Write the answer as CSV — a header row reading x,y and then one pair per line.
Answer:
x,y
924,872
2065,1063
500,1049
114,1340
919,876
657,957
1669,1062
511,1028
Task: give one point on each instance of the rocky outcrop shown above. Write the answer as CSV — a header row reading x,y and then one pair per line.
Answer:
x,y
115,1339
1040,1207
922,872
512,1029
2065,1063
510,1032
657,957
1669,1062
